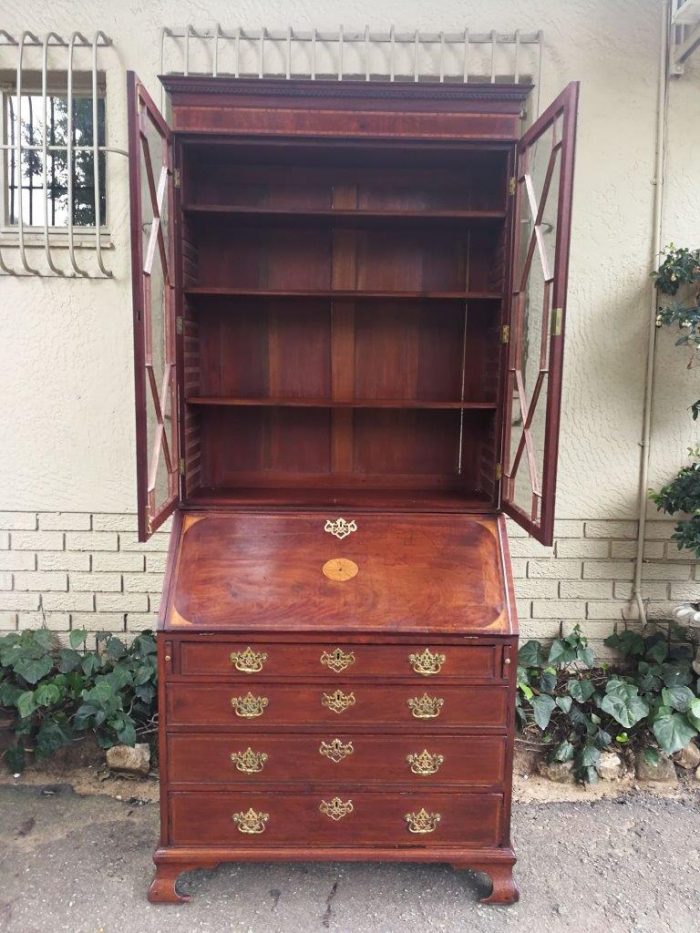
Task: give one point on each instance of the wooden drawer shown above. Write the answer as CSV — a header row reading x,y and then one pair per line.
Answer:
x,y
260,705
335,818
471,760
423,661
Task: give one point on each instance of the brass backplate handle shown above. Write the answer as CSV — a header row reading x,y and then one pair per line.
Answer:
x,y
425,762
249,706
422,822
248,661
426,663
425,707
250,821
249,762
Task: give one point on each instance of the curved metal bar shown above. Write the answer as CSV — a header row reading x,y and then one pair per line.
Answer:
x,y
20,214
96,159
69,155
45,148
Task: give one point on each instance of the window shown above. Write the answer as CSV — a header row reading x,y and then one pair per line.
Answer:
x,y
37,181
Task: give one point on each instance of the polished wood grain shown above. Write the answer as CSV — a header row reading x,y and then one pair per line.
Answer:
x,y
357,758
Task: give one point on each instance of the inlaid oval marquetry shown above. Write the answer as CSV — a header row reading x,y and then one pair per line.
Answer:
x,y
340,569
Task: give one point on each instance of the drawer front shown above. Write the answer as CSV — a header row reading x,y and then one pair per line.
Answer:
x,y
424,661
258,705
335,818
472,760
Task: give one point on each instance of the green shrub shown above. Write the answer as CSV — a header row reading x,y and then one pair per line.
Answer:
x,y
578,709
61,693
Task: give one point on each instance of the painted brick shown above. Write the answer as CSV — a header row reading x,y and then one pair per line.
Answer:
x,y
655,531
583,547
16,602
141,621
555,569
673,553
18,520
565,528
4,540
595,631
41,580
5,581
519,566
154,601
8,621
609,610
667,572
608,570
63,560
558,609
143,582
539,629
37,540
155,563
64,521
586,589
661,610
69,602
158,542
17,560
92,541
107,522
514,530
528,547
611,529
56,621
536,589
96,582
685,592
117,561
523,608
99,621
622,549
121,602
649,590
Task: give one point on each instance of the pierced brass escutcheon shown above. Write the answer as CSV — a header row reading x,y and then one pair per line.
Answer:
x,y
426,663
335,808
336,750
426,707
338,701
422,822
249,762
249,706
337,660
251,821
340,528
248,661
425,763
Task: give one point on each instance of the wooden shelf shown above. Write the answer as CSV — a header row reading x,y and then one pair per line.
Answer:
x,y
418,499
227,400
358,216
216,291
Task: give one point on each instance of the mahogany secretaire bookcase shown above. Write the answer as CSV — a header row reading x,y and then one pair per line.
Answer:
x,y
349,312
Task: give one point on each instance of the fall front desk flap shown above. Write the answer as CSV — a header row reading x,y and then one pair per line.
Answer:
x,y
357,573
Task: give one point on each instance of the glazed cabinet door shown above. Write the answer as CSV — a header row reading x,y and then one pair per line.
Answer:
x,y
543,195
151,191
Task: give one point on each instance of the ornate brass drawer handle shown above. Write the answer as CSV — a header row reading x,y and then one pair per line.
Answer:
x,y
425,763
249,706
250,822
336,750
335,809
426,663
426,707
422,822
338,701
248,661
337,660
340,528
249,762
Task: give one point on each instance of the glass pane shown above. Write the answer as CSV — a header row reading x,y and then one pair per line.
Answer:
x,y
47,200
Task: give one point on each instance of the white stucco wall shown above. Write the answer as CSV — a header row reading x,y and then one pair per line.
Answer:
x,y
66,346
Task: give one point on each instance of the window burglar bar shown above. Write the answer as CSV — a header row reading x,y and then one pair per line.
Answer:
x,y
15,147
352,55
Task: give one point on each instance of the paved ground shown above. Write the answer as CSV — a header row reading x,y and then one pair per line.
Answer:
x,y
82,865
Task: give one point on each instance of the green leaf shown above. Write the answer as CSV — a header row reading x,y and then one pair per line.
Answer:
x,y
580,689
127,734
26,704
693,714
542,707
564,703
589,756
651,755
658,651
603,739
548,681
676,674
68,660
115,648
77,637
678,698
14,758
91,663
531,654
51,736
526,691
33,669
47,694
627,643
623,703
561,653
564,751
673,732
622,738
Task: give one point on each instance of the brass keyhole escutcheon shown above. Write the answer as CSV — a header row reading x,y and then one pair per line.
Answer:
x,y
340,569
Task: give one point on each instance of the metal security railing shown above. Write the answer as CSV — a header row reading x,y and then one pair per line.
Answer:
x,y
27,49
685,33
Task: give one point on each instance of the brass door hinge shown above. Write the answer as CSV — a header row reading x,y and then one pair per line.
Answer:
x,y
505,333
179,325
512,185
499,472
557,319
177,178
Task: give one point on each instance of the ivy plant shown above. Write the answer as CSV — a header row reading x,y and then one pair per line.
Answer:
x,y
56,694
577,709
